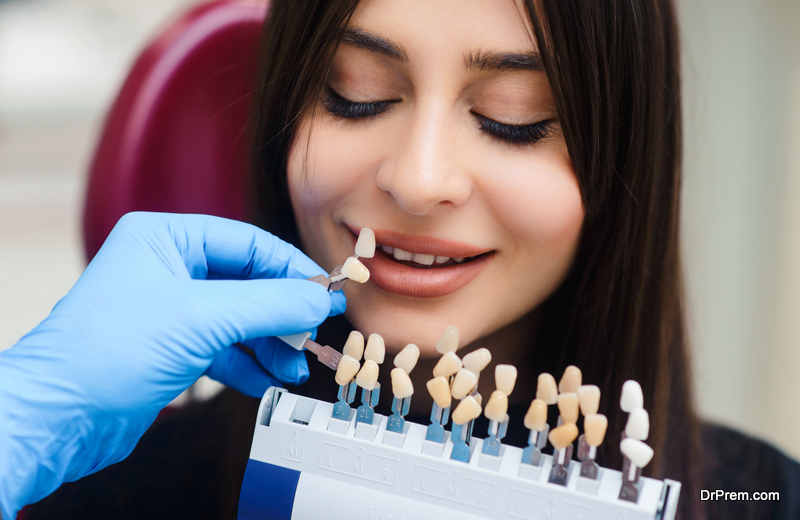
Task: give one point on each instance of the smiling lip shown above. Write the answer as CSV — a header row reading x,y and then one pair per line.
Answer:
x,y
402,279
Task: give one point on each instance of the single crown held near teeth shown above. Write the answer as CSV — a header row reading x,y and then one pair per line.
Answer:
x,y
546,389
407,358
354,270
571,380
477,360
447,366
354,346
448,341
589,397
365,246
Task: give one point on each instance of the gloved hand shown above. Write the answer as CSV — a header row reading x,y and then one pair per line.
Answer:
x,y
159,306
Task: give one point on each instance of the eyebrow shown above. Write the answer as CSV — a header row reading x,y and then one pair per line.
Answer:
x,y
482,61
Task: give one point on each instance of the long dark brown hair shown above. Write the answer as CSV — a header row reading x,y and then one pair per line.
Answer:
x,y
613,67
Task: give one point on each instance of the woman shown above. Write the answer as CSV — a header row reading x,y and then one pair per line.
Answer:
x,y
520,164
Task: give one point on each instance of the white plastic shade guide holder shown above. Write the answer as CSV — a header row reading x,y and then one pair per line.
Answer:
x,y
301,469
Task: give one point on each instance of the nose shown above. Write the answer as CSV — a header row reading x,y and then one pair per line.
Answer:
x,y
424,172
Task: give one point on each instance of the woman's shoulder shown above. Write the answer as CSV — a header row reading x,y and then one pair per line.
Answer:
x,y
751,469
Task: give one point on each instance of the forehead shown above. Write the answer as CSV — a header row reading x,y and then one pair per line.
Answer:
x,y
425,28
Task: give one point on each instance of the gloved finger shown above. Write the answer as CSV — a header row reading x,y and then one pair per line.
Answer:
x,y
237,249
286,363
338,303
235,368
232,311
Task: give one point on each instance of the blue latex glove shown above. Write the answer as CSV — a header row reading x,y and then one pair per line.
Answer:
x,y
159,306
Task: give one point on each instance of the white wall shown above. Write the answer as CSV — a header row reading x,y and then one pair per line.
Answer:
x,y
740,219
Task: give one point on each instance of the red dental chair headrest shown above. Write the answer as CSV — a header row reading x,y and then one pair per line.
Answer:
x,y
175,138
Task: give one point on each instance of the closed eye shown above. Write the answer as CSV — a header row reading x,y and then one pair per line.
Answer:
x,y
343,108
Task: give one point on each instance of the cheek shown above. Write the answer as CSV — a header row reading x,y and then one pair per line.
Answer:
x,y
537,199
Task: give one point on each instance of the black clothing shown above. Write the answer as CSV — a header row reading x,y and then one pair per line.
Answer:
x,y
190,464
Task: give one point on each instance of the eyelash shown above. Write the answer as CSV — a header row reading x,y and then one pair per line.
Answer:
x,y
342,108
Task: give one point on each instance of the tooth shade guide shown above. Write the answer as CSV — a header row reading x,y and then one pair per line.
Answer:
x,y
589,397
595,426
439,389
467,410
407,358
477,360
448,341
401,384
354,270
367,377
638,425
365,245
536,418
497,406
563,436
347,369
463,384
505,377
571,380
568,407
447,366
637,451
354,346
376,349
632,397
546,388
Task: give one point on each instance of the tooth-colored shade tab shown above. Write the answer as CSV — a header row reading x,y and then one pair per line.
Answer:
x,y
347,369
477,360
563,436
439,388
505,377
355,270
546,389
365,246
467,410
401,384
639,452
497,407
354,346
448,341
536,418
595,426
632,397
367,377
448,365
463,384
589,396
376,348
407,358
571,380
638,425
478,398
568,407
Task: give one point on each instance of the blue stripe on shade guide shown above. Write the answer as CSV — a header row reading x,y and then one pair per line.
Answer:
x,y
267,492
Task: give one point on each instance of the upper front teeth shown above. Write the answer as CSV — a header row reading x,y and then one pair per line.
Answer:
x,y
419,258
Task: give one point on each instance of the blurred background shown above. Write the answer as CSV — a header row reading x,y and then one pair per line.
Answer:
x,y
62,62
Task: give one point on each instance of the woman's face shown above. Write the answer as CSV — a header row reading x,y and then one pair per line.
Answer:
x,y
438,130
